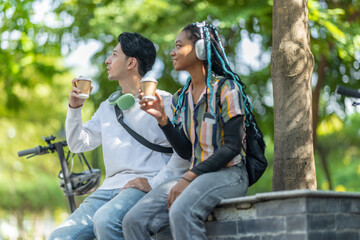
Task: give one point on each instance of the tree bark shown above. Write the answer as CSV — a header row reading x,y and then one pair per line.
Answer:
x,y
292,64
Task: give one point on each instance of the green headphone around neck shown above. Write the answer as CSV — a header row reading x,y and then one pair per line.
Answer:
x,y
124,101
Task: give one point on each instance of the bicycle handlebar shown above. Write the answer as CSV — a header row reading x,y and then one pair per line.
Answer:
x,y
347,92
37,151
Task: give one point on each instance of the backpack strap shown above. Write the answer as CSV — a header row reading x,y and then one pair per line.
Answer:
x,y
139,138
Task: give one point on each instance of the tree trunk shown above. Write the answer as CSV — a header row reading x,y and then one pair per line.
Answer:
x,y
292,64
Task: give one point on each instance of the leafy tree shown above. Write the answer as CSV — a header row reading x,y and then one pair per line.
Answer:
x,y
34,86
338,143
336,47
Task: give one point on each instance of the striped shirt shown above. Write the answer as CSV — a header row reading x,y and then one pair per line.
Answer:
x,y
207,137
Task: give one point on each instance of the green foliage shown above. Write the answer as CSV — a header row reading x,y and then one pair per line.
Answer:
x,y
24,191
161,21
34,88
34,82
339,141
335,35
334,28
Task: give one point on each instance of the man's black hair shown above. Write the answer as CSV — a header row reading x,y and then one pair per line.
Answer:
x,y
139,47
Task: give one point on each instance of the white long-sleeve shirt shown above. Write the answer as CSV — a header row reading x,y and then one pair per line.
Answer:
x,y
124,157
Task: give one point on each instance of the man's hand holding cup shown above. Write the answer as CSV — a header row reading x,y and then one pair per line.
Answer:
x,y
80,91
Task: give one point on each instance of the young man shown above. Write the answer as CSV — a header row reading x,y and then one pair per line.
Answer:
x,y
132,169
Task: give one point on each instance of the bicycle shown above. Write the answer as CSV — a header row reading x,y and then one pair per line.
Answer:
x,y
73,184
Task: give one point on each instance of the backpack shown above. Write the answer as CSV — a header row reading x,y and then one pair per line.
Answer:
x,y
256,162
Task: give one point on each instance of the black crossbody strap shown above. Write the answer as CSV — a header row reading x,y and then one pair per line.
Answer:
x,y
139,138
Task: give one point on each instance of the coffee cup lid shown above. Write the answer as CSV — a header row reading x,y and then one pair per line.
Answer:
x,y
83,96
148,79
84,78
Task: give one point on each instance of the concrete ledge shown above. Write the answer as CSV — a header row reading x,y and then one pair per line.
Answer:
x,y
288,215
289,194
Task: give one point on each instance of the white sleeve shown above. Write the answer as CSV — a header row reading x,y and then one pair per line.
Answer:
x,y
174,169
79,137
176,166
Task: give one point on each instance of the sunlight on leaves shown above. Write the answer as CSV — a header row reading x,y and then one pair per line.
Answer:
x,y
27,43
350,154
43,90
347,159
356,41
22,92
336,11
15,68
201,6
340,188
325,185
335,31
29,59
331,125
11,132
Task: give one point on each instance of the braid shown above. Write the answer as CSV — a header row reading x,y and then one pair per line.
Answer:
x,y
180,103
222,66
208,78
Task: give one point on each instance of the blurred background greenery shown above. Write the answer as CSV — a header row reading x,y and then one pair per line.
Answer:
x,y
38,42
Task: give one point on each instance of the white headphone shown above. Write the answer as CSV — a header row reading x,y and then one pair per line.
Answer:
x,y
200,48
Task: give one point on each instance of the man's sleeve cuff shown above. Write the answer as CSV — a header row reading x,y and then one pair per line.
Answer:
x,y
74,112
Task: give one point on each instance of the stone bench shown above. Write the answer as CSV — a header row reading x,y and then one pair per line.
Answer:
x,y
285,215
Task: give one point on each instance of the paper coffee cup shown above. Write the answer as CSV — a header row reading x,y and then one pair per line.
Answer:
x,y
84,84
148,87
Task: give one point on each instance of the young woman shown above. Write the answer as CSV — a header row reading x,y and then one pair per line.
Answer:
x,y
206,131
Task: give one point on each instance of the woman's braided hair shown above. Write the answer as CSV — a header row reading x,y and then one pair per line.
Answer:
x,y
216,61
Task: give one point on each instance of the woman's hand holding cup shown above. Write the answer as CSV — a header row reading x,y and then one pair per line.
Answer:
x,y
154,107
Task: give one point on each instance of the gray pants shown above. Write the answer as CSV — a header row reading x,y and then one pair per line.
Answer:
x,y
188,212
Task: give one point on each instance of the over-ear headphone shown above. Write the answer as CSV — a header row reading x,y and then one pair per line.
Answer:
x,y
124,101
200,49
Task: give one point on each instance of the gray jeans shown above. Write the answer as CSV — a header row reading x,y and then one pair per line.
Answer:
x,y
189,211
